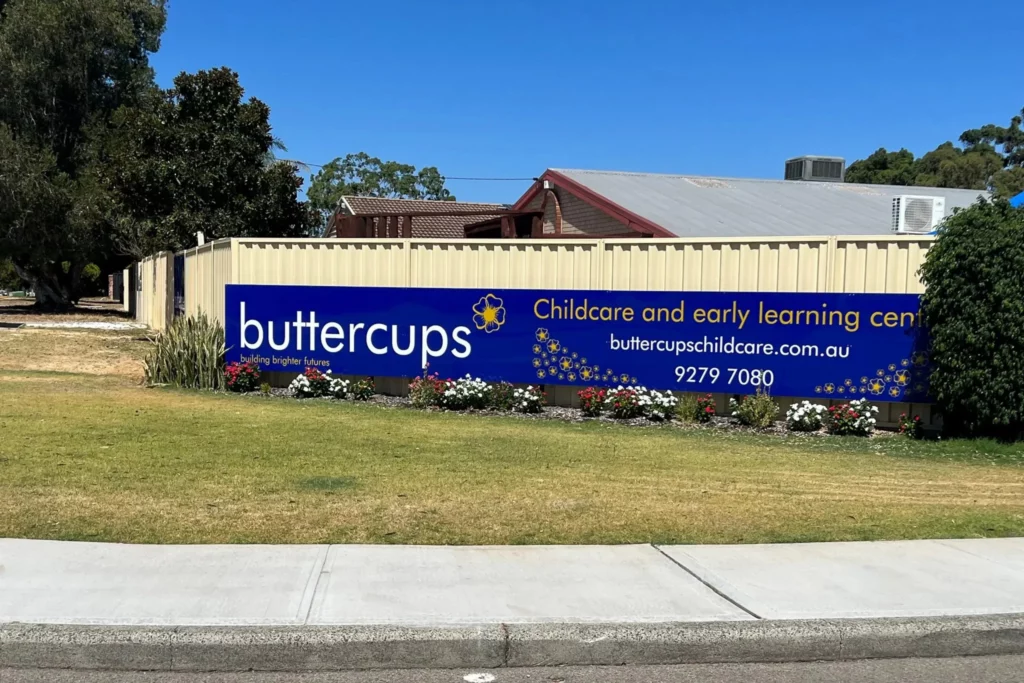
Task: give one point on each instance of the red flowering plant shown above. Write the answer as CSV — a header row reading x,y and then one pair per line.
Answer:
x,y
856,418
705,408
624,403
911,428
312,384
426,391
592,401
242,377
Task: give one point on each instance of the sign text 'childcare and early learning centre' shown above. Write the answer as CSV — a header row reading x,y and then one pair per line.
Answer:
x,y
802,345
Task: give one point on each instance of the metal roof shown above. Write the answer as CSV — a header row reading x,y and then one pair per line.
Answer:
x,y
697,206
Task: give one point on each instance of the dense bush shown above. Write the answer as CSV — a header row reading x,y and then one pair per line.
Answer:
x,y
313,384
911,427
856,418
425,391
805,416
756,410
592,401
242,377
465,393
694,408
974,310
189,354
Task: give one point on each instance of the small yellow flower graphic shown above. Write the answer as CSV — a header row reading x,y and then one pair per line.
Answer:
x,y
571,376
863,380
919,359
553,370
830,388
841,390
537,362
543,335
541,374
880,373
597,368
894,392
892,367
561,376
537,348
877,386
905,363
918,387
586,373
888,378
817,390
902,377
544,356
575,355
624,378
565,363
584,361
554,346
489,314
848,382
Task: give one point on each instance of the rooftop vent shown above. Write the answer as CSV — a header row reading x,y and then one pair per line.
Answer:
x,y
829,169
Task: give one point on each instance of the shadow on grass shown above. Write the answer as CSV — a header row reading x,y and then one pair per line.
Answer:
x,y
327,483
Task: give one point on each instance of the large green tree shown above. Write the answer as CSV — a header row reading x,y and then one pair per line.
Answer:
x,y
67,65
362,175
992,157
198,157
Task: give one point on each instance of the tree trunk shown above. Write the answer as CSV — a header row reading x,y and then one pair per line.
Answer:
x,y
56,290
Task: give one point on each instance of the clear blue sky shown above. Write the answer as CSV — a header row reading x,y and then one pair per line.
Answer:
x,y
507,89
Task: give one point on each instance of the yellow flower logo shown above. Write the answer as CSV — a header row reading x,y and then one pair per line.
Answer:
x,y
895,392
841,390
575,355
543,335
892,367
554,346
624,379
880,373
537,362
541,374
537,348
848,382
905,363
817,390
863,380
586,373
553,370
489,314
876,387
830,388
902,378
565,363
571,376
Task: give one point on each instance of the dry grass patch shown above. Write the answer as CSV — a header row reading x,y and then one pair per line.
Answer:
x,y
100,459
94,352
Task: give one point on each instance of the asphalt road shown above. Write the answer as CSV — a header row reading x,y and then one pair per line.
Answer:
x,y
959,670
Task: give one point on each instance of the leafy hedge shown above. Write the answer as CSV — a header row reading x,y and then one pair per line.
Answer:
x,y
974,309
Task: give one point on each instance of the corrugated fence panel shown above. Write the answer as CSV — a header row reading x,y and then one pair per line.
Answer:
x,y
811,264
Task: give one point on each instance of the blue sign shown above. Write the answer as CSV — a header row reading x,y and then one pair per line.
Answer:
x,y
1018,200
803,345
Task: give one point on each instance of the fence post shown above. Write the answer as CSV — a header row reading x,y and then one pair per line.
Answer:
x,y
831,254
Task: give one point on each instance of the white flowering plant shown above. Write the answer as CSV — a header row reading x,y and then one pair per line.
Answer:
x,y
856,418
340,388
528,400
626,403
312,384
805,416
465,393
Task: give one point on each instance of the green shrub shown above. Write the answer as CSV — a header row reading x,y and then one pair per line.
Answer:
x,y
502,396
426,391
694,408
756,410
973,308
189,354
362,389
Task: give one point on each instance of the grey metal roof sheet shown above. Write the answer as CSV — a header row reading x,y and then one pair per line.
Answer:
x,y
697,206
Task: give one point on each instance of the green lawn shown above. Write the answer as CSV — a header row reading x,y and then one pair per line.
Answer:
x,y
99,458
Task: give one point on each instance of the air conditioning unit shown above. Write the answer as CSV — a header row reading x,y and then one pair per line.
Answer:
x,y
915,215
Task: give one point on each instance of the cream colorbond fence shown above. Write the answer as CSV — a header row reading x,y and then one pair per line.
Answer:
x,y
806,264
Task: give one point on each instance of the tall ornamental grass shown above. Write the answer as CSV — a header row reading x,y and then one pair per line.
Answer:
x,y
189,354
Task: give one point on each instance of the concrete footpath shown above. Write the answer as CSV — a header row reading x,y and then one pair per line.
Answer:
x,y
307,608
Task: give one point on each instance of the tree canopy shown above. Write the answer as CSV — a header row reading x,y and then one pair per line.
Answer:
x,y
198,158
97,163
991,157
362,175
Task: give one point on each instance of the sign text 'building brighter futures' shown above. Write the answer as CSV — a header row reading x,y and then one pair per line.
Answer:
x,y
802,345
